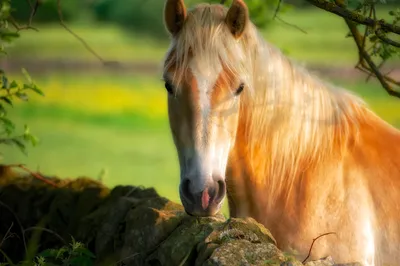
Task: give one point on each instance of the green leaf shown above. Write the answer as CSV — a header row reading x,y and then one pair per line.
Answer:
x,y
81,261
61,252
48,253
8,36
13,85
6,99
4,81
19,144
34,88
3,110
40,261
84,251
27,76
373,38
8,124
22,95
29,137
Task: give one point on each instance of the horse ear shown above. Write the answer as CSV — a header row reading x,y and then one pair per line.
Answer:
x,y
237,18
174,15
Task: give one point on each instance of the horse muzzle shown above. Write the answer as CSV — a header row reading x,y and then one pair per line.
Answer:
x,y
204,203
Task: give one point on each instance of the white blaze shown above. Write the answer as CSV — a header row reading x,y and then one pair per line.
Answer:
x,y
209,154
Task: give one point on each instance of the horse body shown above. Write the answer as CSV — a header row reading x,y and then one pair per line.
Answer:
x,y
353,195
299,155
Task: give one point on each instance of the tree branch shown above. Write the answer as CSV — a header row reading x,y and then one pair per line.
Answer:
x,y
365,60
379,33
355,17
7,234
18,222
34,7
312,244
46,230
35,175
275,16
84,43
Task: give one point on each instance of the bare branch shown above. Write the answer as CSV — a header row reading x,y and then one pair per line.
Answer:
x,y
34,8
33,11
35,175
19,27
18,221
62,23
45,230
291,25
7,234
312,244
278,7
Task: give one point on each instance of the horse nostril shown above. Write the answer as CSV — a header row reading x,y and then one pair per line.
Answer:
x,y
185,187
221,187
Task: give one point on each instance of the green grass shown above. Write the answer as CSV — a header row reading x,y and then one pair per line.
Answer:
x,y
131,148
323,43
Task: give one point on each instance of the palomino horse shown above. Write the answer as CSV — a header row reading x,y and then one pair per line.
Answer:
x,y
297,154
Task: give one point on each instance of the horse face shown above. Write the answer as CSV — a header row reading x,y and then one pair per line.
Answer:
x,y
203,115
203,118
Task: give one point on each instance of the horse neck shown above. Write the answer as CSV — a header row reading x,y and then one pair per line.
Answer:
x,y
291,121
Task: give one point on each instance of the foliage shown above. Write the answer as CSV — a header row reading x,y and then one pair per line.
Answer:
x,y
136,15
48,10
144,16
381,48
263,12
11,89
74,254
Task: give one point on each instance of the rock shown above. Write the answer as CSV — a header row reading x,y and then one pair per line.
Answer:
x,y
131,226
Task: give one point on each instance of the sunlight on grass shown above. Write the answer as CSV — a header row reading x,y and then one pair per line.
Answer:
x,y
143,96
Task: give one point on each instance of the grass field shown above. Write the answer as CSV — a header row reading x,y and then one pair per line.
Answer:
x,y
91,125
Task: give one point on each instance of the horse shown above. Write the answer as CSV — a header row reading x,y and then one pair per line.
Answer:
x,y
298,154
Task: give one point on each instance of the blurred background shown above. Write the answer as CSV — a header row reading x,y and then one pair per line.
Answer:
x,y
110,123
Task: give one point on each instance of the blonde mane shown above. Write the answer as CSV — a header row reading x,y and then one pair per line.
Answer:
x,y
291,117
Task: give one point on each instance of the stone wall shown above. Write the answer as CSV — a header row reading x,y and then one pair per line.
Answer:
x,y
128,225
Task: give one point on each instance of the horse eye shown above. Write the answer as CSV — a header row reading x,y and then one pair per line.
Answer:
x,y
168,87
240,89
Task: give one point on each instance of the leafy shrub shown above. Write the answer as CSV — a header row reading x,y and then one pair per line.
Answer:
x,y
47,10
10,89
146,17
74,254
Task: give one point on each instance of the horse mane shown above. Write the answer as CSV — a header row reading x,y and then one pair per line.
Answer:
x,y
291,120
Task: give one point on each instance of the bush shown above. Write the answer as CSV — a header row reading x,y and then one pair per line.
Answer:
x,y
10,90
146,17
47,11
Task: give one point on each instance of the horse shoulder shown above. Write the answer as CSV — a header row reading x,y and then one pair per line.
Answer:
x,y
377,149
